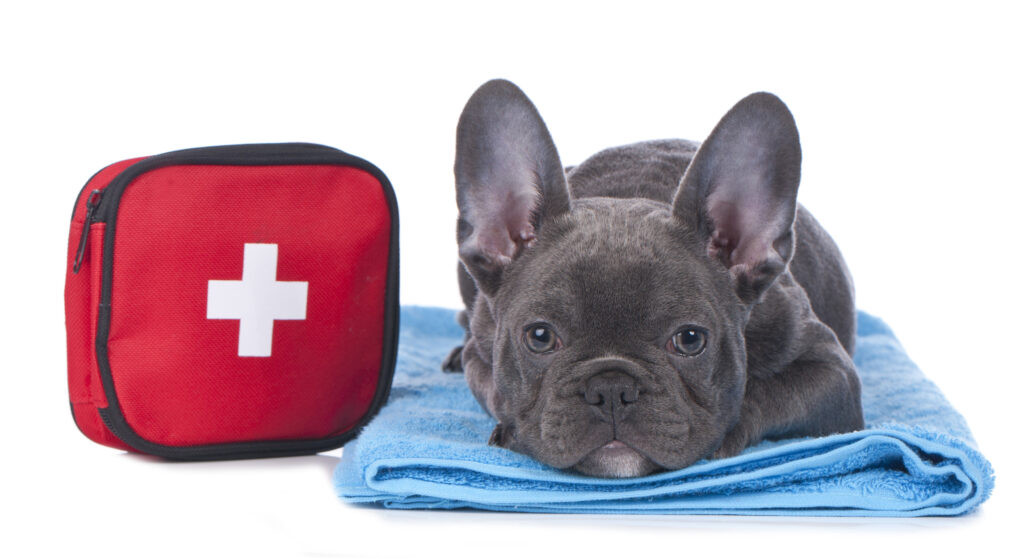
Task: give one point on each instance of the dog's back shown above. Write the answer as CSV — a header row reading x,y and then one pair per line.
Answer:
x,y
653,170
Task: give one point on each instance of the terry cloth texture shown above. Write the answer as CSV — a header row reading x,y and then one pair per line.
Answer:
x,y
428,449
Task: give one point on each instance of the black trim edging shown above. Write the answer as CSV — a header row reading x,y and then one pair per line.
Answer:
x,y
241,155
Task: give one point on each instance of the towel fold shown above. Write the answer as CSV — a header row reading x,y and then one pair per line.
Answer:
x,y
428,449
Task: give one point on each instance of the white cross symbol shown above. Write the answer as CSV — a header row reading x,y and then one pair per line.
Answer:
x,y
257,300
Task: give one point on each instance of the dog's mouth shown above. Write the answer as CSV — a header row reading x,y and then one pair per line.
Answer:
x,y
616,459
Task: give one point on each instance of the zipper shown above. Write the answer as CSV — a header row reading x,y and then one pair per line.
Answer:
x,y
90,216
103,206
265,154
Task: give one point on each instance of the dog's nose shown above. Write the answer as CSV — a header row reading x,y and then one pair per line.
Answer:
x,y
611,391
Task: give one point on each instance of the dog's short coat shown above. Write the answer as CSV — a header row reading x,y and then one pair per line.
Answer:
x,y
660,303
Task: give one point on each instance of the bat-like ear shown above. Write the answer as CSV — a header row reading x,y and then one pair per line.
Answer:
x,y
508,180
740,190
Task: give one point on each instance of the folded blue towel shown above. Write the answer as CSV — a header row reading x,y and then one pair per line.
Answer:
x,y
428,449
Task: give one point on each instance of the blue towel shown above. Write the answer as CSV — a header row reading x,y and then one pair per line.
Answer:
x,y
428,449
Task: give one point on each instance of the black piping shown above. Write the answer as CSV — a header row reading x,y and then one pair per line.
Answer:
x,y
241,155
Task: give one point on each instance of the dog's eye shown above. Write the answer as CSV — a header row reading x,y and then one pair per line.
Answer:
x,y
689,341
540,338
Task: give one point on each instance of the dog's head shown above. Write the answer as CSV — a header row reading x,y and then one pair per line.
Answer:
x,y
618,324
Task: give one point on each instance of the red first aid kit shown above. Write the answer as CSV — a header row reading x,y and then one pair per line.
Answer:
x,y
232,302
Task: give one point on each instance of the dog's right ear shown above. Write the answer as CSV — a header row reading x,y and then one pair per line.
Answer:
x,y
508,180
741,190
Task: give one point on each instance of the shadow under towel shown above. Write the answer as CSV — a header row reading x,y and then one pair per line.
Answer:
x,y
428,449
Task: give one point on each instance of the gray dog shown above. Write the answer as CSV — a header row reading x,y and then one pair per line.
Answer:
x,y
660,303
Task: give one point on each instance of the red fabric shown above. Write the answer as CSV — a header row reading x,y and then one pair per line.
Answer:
x,y
177,374
81,296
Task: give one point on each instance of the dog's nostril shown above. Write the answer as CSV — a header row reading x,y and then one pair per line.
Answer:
x,y
630,395
611,390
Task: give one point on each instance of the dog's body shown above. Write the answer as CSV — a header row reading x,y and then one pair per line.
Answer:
x,y
680,306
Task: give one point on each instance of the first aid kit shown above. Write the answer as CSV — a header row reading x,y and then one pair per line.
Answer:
x,y
232,302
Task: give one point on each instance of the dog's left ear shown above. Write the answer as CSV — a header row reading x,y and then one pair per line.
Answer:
x,y
741,188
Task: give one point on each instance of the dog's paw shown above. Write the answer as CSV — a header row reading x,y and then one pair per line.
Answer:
x,y
501,437
453,362
732,445
742,435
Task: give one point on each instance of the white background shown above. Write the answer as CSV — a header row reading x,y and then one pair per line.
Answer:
x,y
910,117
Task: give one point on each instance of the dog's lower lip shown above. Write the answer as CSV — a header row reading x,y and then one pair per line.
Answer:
x,y
616,459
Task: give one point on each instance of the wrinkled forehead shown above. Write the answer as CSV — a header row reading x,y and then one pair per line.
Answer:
x,y
605,272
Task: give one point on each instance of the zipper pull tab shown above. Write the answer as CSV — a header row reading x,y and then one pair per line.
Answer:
x,y
90,214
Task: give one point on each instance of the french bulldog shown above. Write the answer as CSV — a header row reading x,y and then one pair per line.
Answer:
x,y
658,304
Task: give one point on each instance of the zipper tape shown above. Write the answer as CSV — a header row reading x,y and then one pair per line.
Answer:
x,y
103,207
90,214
